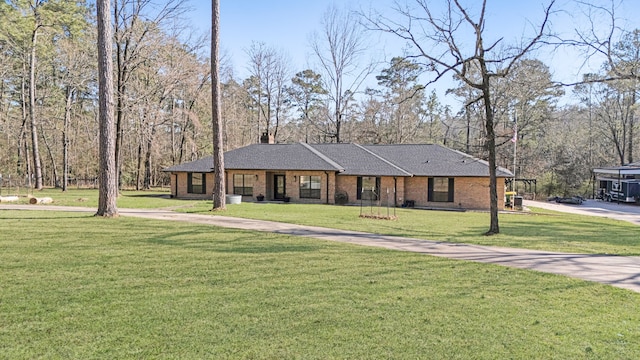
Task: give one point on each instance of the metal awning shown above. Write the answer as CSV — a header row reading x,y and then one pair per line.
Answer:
x,y
618,171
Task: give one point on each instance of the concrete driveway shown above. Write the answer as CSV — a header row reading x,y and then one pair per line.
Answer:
x,y
619,271
612,210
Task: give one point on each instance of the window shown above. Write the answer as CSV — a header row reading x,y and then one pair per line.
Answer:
x,y
368,188
196,183
440,189
310,187
243,184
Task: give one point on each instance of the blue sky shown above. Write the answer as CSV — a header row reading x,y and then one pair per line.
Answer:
x,y
287,25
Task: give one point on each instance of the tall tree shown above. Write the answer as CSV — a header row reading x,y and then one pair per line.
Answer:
x,y
404,97
30,21
433,114
604,37
219,191
135,21
339,48
108,187
306,91
614,112
269,75
37,164
525,99
627,61
75,76
441,46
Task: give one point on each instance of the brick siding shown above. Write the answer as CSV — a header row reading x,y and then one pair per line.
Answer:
x,y
469,192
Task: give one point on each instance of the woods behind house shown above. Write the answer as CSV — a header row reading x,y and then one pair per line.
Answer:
x,y
49,98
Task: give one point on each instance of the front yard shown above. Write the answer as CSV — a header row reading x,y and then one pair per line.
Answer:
x,y
76,287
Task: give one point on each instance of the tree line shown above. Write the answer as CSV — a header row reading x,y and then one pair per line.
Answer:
x,y
162,79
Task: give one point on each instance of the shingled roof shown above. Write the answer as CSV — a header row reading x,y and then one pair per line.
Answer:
x,y
350,159
357,160
434,160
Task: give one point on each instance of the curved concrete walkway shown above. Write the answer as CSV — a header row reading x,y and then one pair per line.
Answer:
x,y
620,271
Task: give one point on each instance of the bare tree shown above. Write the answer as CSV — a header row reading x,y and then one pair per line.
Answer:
x,y
614,114
219,190
339,49
618,46
134,26
269,74
599,43
74,57
440,41
108,187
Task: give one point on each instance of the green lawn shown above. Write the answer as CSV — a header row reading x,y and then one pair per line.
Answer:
x,y
79,287
89,198
539,230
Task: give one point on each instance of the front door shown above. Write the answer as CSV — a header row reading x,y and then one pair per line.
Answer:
x,y
279,188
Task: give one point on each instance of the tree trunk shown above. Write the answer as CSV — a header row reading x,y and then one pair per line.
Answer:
x,y
65,139
108,186
119,133
23,153
51,158
468,117
147,168
219,191
338,125
32,111
494,227
147,160
632,123
139,165
121,74
173,132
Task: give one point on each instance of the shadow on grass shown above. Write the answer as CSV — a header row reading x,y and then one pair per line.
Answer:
x,y
70,216
572,235
575,231
157,196
230,241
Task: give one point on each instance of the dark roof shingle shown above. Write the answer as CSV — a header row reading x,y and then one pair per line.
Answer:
x,y
350,159
434,160
357,160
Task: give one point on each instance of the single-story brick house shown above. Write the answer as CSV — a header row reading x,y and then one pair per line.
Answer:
x,y
420,175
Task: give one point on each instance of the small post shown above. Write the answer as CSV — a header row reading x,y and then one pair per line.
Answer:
x,y
373,191
388,214
395,205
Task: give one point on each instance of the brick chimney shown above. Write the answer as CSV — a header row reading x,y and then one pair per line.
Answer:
x,y
266,138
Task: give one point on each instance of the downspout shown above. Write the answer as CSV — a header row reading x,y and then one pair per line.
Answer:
x,y
327,190
395,191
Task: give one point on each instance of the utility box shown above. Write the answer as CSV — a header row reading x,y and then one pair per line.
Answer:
x,y
517,202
